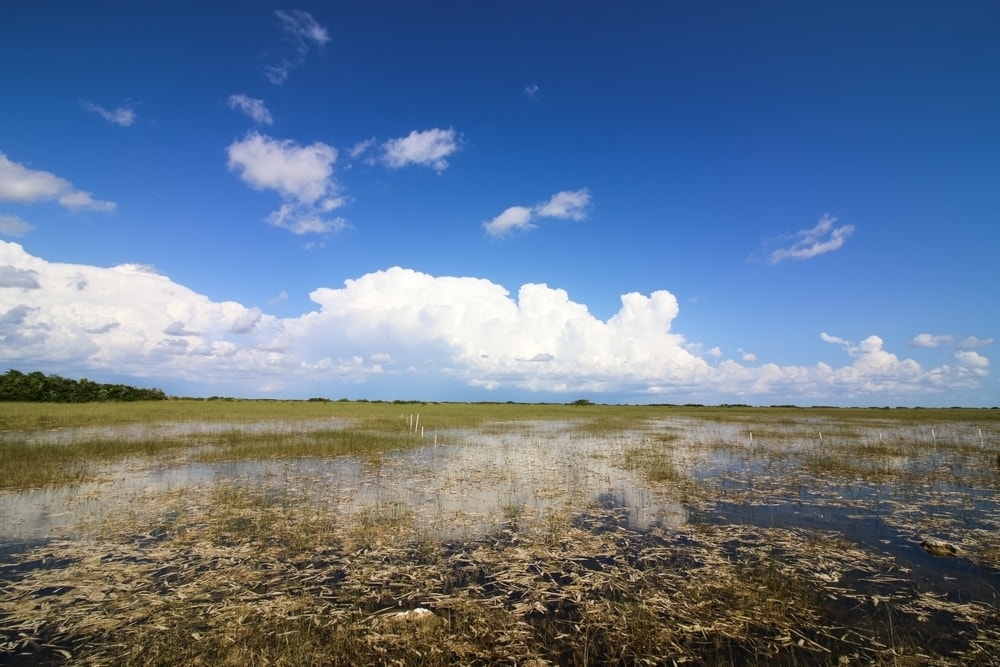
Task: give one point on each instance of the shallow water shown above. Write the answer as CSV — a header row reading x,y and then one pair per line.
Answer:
x,y
537,475
530,473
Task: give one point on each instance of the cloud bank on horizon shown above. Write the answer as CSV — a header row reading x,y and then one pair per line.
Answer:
x,y
439,330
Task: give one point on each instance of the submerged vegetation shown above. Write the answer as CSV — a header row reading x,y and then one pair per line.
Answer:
x,y
347,533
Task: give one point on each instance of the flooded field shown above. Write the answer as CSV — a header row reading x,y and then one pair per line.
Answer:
x,y
582,536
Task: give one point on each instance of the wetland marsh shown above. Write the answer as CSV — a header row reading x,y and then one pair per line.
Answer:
x,y
257,532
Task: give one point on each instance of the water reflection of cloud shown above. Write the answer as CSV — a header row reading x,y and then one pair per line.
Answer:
x,y
534,472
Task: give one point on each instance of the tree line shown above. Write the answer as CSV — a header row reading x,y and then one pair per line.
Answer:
x,y
37,387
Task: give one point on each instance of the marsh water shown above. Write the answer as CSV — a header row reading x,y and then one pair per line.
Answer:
x,y
929,484
531,471
527,471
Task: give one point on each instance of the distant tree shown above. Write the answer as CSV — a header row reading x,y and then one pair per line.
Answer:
x,y
36,387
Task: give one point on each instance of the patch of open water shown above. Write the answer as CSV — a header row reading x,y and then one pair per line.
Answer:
x,y
527,473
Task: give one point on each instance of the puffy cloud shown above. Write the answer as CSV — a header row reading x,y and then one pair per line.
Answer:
x,y
253,108
125,318
304,32
300,172
11,276
121,116
874,369
302,175
514,218
974,362
427,148
808,243
928,340
178,328
11,225
531,90
566,204
410,330
25,186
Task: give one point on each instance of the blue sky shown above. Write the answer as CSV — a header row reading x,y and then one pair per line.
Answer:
x,y
762,203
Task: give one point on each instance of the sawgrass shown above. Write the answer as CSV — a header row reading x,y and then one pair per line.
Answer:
x,y
270,570
26,465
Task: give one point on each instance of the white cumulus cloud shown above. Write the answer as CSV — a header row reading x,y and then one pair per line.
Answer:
x,y
973,361
514,218
808,243
427,148
302,175
568,204
405,331
929,340
26,186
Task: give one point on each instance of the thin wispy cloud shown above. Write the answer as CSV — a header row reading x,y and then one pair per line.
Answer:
x,y
948,340
11,225
567,205
253,108
360,148
26,186
428,148
305,33
531,90
809,243
122,116
302,175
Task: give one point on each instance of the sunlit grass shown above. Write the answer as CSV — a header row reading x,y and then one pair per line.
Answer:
x,y
374,427
32,465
